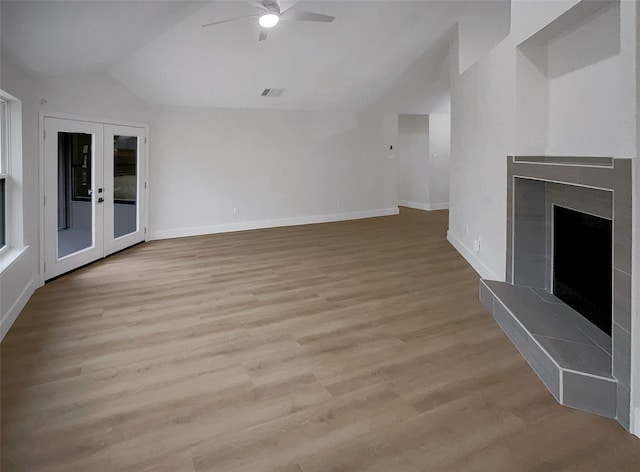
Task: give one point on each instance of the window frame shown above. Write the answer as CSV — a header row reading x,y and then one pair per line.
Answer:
x,y
5,171
14,182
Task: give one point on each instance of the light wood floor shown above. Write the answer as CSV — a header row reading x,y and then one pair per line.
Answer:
x,y
336,347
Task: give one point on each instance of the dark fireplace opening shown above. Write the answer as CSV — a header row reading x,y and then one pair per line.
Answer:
x,y
582,265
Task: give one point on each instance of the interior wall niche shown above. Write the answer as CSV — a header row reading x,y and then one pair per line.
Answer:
x,y
574,80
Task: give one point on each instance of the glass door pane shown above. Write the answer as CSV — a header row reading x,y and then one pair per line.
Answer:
x,y
125,185
75,207
124,168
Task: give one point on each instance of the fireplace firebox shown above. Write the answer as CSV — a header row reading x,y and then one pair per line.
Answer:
x,y
582,265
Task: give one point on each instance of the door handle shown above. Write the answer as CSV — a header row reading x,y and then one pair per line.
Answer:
x,y
100,200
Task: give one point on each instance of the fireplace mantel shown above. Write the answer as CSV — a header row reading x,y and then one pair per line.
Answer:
x,y
581,365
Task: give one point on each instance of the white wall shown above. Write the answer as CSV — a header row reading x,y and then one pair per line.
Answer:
x,y
482,129
532,98
274,167
423,161
593,68
439,150
95,95
88,95
481,31
530,16
412,155
571,68
423,87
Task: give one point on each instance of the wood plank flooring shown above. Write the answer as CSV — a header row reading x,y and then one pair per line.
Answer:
x,y
354,346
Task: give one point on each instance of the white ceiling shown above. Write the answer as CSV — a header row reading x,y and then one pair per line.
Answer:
x,y
70,37
382,55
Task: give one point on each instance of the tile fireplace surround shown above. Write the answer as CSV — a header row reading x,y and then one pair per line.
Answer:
x,y
581,365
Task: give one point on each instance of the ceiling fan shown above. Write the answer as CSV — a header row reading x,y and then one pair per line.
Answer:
x,y
269,14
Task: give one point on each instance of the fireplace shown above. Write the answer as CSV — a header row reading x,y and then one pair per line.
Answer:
x,y
565,303
582,264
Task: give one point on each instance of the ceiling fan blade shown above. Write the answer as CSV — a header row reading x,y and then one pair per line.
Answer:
x,y
300,15
231,19
263,35
288,4
257,4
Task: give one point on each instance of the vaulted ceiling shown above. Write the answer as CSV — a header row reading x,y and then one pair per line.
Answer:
x,y
381,55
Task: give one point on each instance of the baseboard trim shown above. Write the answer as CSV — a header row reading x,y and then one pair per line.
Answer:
x,y
439,206
414,205
18,305
635,423
275,223
472,259
423,206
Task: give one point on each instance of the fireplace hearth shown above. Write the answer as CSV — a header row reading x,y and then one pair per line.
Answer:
x,y
565,304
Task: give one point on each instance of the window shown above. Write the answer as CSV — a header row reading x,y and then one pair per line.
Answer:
x,y
11,183
4,172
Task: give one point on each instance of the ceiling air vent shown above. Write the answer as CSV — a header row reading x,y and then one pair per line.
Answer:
x,y
271,92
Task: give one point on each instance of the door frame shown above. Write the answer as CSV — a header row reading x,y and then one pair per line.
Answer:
x,y
41,171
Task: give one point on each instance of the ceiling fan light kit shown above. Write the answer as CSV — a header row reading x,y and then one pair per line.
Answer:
x,y
270,15
269,19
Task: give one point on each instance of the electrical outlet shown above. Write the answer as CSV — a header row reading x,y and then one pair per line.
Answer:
x,y
235,210
476,245
337,203
466,230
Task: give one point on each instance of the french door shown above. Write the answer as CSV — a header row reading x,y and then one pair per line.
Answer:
x,y
94,191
